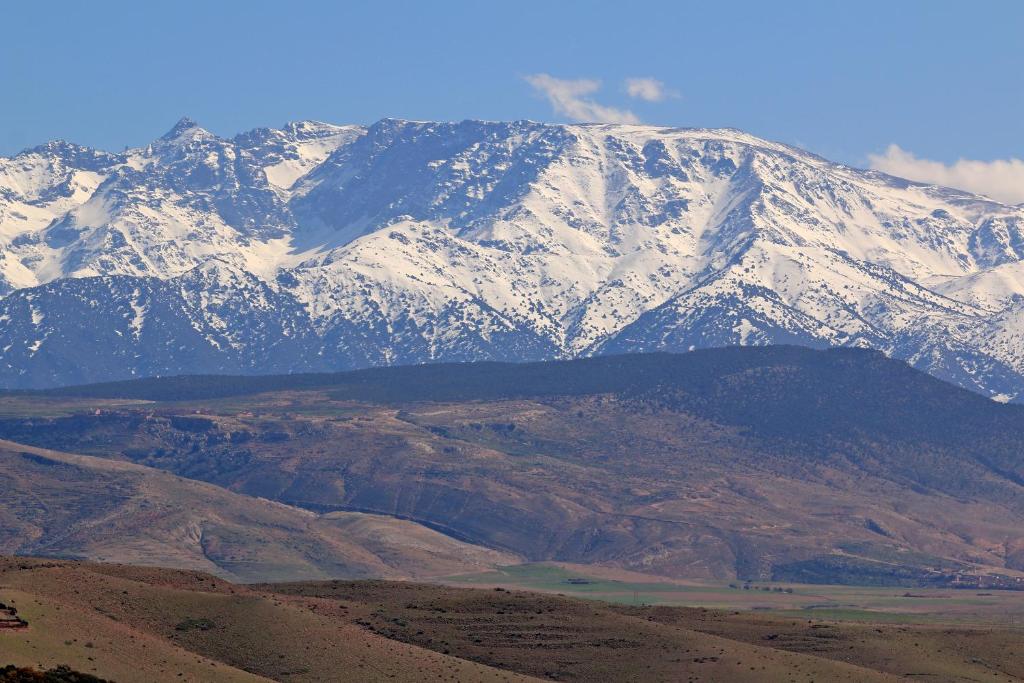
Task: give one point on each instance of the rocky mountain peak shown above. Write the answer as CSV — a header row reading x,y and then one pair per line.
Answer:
x,y
415,241
186,129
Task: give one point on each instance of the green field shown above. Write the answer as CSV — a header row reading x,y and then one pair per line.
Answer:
x,y
820,602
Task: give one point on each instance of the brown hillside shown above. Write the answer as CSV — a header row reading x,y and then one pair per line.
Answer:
x,y
147,624
81,506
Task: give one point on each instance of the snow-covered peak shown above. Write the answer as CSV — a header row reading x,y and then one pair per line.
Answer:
x,y
289,153
306,130
186,129
407,241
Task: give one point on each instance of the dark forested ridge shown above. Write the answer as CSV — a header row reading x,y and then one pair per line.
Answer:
x,y
775,390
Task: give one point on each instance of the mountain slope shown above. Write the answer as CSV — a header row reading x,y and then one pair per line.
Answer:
x,y
408,242
777,463
66,505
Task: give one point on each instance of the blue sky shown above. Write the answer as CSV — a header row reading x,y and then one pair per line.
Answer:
x,y
941,80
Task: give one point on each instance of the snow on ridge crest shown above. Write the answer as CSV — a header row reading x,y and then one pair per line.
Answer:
x,y
416,241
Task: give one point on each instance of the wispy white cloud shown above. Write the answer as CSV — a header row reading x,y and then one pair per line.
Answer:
x,y
648,89
1002,179
569,98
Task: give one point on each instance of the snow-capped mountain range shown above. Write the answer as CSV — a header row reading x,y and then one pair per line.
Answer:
x,y
322,247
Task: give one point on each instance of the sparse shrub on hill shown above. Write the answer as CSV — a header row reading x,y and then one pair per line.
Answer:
x,y
191,624
60,674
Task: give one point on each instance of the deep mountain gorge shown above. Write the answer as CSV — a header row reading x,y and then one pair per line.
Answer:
x,y
318,247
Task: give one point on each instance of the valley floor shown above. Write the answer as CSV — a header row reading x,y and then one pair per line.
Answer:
x,y
869,604
143,624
